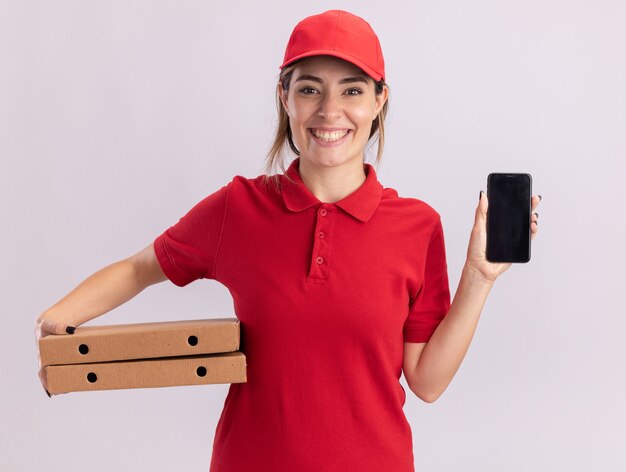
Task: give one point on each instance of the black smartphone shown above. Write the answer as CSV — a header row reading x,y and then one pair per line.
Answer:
x,y
508,217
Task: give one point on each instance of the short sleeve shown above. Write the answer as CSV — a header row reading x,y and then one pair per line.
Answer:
x,y
430,305
188,250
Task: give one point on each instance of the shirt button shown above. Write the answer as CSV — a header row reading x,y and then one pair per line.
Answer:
x,y
319,259
322,235
323,212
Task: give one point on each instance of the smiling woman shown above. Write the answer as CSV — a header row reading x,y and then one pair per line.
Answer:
x,y
340,285
332,106
348,79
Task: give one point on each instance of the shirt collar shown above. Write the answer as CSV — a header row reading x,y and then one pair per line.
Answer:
x,y
361,203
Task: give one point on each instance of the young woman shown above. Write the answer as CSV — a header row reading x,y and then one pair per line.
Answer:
x,y
340,284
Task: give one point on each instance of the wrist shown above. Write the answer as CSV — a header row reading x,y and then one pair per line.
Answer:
x,y
476,277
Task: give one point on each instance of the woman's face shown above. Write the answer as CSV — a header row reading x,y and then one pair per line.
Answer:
x,y
331,104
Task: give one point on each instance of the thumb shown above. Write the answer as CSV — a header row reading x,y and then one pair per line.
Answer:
x,y
481,209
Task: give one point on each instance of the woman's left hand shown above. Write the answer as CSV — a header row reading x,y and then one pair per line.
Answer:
x,y
477,249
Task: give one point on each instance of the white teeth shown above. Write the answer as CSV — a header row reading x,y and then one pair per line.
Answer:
x,y
329,136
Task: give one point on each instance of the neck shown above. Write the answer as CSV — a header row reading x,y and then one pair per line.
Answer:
x,y
331,184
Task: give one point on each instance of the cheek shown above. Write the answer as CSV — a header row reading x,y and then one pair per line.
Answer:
x,y
362,113
363,119
297,112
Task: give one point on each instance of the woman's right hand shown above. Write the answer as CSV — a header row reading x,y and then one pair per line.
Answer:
x,y
98,294
43,327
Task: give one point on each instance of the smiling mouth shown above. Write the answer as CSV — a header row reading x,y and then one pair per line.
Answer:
x,y
329,136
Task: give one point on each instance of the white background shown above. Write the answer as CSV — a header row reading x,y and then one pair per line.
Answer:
x,y
117,117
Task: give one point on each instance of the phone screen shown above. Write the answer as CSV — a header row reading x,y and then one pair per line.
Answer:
x,y
508,217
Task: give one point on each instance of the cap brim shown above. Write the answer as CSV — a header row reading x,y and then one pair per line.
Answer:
x,y
341,55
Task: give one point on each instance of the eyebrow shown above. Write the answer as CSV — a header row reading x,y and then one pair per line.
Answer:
x,y
347,80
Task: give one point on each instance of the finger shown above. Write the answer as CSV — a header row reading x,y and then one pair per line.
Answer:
x,y
44,380
534,225
535,201
481,209
534,218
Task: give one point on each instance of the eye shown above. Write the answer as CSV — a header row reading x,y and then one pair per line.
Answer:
x,y
307,90
354,91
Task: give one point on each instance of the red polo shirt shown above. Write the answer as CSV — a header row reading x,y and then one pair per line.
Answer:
x,y
326,294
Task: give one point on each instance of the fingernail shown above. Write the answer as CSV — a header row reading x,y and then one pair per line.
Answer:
x,y
70,330
480,195
539,197
48,393
537,215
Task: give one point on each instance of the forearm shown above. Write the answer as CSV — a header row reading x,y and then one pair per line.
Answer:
x,y
104,290
448,345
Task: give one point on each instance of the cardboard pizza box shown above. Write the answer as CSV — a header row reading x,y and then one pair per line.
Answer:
x,y
90,344
148,373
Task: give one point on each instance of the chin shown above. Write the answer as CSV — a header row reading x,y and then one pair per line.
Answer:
x,y
328,160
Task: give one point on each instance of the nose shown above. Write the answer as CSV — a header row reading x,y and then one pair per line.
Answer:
x,y
330,107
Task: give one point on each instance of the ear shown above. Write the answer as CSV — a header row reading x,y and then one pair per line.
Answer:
x,y
282,95
380,101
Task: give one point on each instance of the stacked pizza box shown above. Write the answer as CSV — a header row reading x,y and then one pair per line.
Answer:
x,y
144,355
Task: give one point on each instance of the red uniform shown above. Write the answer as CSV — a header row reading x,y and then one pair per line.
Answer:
x,y
326,294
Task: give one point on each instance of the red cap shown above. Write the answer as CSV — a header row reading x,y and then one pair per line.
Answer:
x,y
341,34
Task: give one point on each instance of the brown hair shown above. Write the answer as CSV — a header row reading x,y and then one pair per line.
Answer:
x,y
283,138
